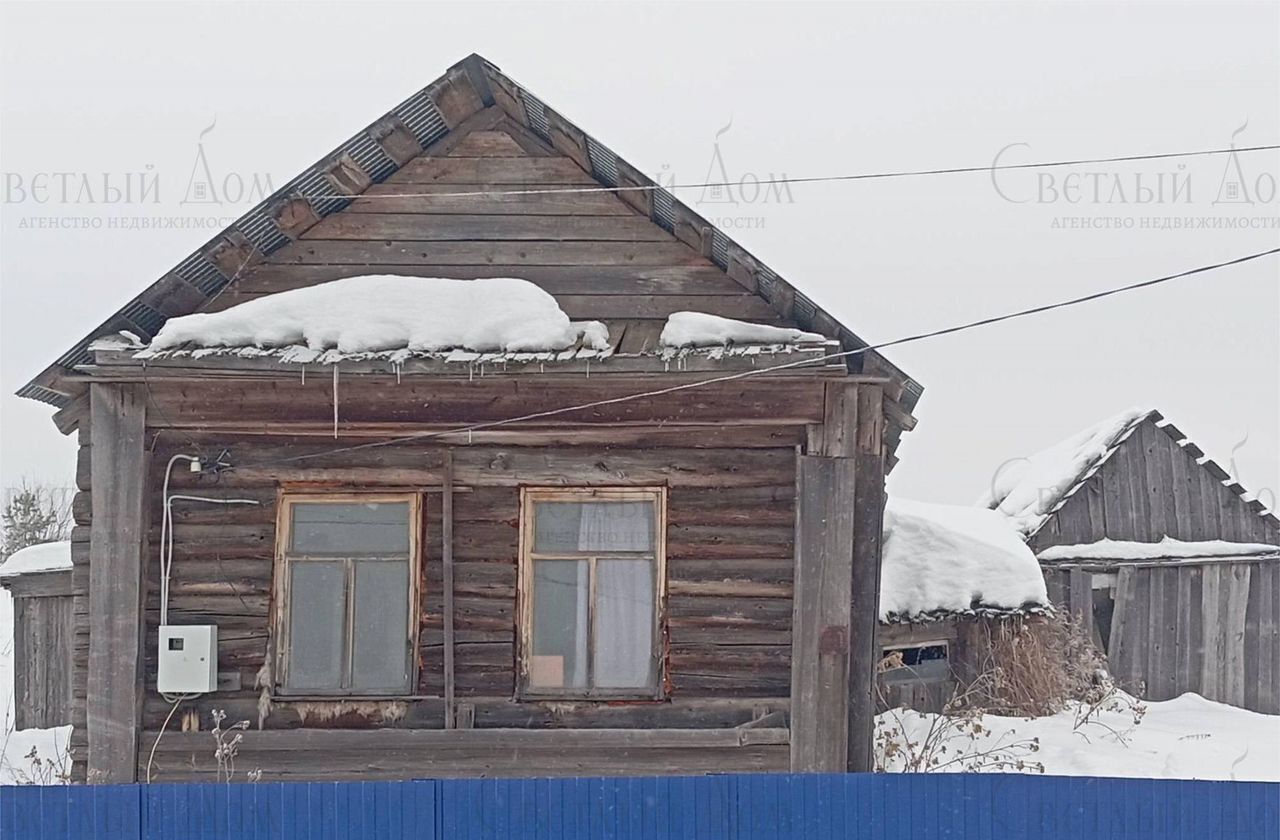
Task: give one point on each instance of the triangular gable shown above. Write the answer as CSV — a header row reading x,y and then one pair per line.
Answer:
x,y
1154,482
447,116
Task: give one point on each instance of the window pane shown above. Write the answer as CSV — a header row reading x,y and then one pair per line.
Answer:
x,y
561,527
380,657
317,617
560,596
624,623
373,528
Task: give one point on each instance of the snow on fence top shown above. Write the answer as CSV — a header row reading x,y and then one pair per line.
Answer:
x,y
1026,490
698,329
44,557
374,313
1166,549
939,560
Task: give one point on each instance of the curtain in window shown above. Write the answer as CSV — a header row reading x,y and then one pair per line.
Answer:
x,y
624,623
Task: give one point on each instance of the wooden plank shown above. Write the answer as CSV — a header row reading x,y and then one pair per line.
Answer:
x,y
1211,669
1252,639
1123,648
512,256
446,553
414,227
487,143
820,621
1263,582
1184,679
488,170
1235,578
1150,439
505,200
1159,647
556,280
116,580
864,654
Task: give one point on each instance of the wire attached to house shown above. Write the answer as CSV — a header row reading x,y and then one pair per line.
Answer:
x,y
807,362
817,179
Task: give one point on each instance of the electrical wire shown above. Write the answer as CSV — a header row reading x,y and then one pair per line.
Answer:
x,y
807,362
816,179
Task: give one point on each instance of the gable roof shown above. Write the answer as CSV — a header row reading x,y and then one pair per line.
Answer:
x,y
429,120
1031,491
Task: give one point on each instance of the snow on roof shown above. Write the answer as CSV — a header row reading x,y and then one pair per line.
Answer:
x,y
947,559
1026,490
43,557
698,329
374,313
1166,549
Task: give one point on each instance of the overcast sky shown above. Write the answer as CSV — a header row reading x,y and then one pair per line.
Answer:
x,y
804,90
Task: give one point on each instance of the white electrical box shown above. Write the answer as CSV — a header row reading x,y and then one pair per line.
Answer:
x,y
188,659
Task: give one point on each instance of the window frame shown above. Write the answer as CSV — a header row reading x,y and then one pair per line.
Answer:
x,y
529,496
914,675
285,503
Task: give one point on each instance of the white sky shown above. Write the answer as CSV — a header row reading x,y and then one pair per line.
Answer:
x,y
810,90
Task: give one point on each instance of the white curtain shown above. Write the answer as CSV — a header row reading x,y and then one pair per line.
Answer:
x,y
624,623
616,526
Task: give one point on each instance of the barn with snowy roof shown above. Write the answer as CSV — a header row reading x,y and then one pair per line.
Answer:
x,y
472,451
1170,563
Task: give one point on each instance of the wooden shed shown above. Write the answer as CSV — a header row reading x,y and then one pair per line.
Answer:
x,y
616,556
1171,564
38,578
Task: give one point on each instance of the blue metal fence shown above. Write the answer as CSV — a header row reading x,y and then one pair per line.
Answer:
x,y
748,807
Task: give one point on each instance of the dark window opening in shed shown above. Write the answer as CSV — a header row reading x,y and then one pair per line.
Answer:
x,y
1104,606
925,662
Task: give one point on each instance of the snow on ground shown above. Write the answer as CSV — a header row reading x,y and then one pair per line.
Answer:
x,y
44,557
1185,738
1167,548
1026,489
951,558
14,746
698,329
373,313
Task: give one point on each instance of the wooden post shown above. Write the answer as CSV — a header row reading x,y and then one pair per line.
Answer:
x,y
868,529
820,630
117,580
446,553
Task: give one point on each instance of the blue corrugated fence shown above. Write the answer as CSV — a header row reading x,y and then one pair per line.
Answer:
x,y
747,807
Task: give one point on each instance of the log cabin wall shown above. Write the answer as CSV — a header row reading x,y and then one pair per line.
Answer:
x,y
730,559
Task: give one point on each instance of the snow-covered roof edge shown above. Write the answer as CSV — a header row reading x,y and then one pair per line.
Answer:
x,y
42,557
1167,549
1089,470
945,561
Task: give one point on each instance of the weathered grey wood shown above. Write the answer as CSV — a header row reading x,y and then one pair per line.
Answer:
x,y
446,548
1121,650
1236,669
414,227
117,581
42,650
1082,604
820,619
1211,682
864,622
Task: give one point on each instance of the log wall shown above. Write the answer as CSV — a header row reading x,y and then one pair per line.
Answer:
x,y
730,556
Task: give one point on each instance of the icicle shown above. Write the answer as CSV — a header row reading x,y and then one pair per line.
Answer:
x,y
335,402
588,368
304,374
397,367
470,436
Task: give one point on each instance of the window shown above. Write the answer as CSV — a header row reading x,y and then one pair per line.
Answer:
x,y
924,662
347,585
592,576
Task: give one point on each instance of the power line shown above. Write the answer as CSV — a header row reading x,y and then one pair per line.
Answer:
x,y
865,176
685,386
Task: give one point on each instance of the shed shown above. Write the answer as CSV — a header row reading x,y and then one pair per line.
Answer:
x,y
952,576
1169,562
38,578
636,530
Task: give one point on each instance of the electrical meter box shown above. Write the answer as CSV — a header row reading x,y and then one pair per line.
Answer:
x,y
188,659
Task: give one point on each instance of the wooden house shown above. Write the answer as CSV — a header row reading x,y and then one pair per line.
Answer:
x,y
1170,564
374,578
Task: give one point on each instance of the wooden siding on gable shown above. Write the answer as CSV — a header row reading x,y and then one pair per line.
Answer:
x,y
600,257
1151,488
